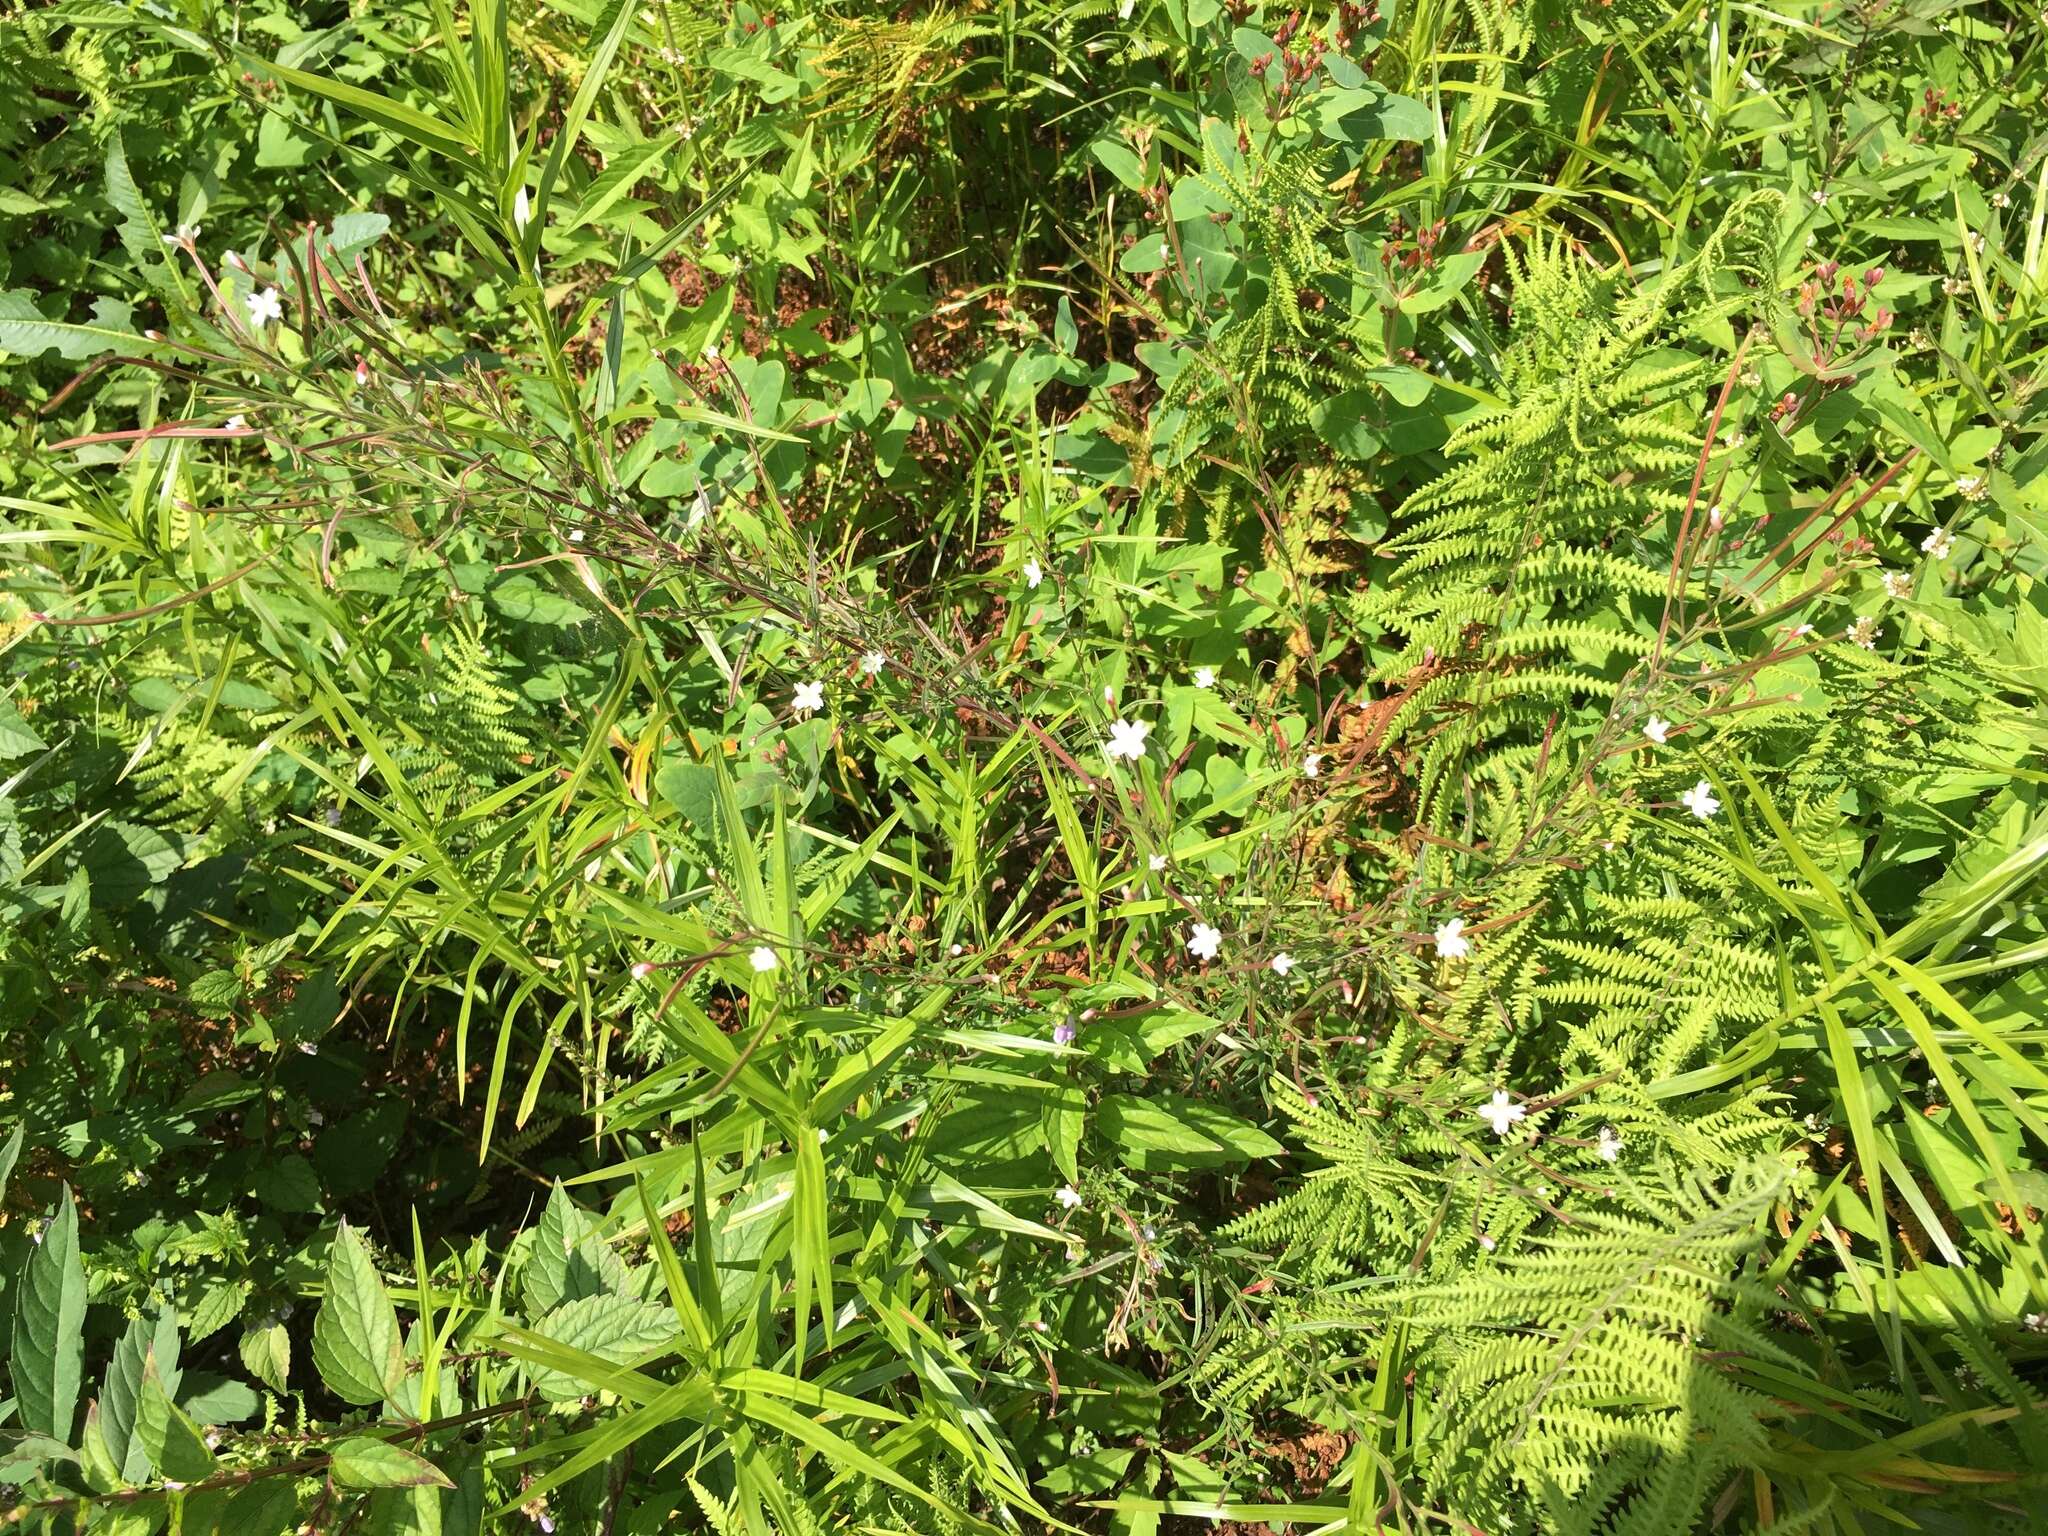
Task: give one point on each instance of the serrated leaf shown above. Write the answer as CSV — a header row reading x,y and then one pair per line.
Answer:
x,y
266,1352
48,1357
611,1328
215,992
143,1342
569,1262
176,1448
364,1462
221,1305
356,1346
16,738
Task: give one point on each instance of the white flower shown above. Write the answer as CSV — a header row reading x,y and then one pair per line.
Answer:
x,y
1068,1196
1898,585
1206,942
236,423
1610,1144
1865,633
1282,963
807,698
1127,739
1312,765
1820,198
1034,573
1501,1113
1714,518
1971,487
1700,800
1205,677
522,210
872,662
762,959
1938,544
265,307
1657,729
1451,943
1156,863
187,234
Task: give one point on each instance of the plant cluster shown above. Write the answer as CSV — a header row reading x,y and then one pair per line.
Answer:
x,y
1103,765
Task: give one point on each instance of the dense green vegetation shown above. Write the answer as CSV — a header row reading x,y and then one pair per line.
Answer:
x,y
1119,766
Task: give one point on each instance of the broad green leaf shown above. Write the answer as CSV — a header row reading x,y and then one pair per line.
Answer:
x,y
356,1345
145,1343
613,1329
25,331
16,740
569,1260
48,1357
406,1512
175,1447
364,1462
1166,1131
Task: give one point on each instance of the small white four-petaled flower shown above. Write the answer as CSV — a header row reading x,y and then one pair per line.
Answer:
x,y
1501,1112
1282,963
762,959
1657,729
1610,1144
1068,1197
1205,677
809,697
265,306
1205,942
1700,800
1451,943
1312,765
1034,573
235,423
872,662
1127,739
1156,862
